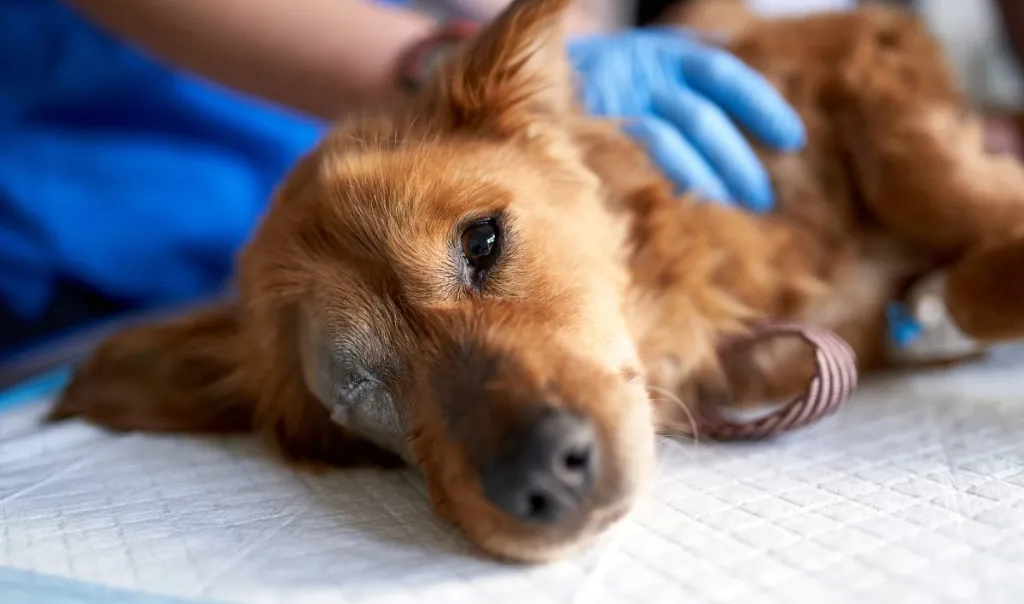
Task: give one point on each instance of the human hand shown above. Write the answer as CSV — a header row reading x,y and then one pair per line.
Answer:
x,y
682,96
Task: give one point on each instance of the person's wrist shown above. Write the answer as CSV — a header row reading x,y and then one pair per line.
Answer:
x,y
420,60
580,23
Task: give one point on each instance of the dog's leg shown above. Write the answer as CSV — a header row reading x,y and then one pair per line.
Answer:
x,y
928,175
777,370
985,292
921,162
929,181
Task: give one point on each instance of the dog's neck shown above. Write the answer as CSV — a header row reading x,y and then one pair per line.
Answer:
x,y
700,271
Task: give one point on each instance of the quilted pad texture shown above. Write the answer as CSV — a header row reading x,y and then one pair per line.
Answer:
x,y
914,492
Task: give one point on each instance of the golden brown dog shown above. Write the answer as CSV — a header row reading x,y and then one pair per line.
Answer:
x,y
486,284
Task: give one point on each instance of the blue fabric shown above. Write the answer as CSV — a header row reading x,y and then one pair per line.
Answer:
x,y
119,173
23,587
35,390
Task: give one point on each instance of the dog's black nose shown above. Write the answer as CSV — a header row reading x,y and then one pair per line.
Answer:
x,y
546,471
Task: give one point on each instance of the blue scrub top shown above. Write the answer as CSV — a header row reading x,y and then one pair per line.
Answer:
x,y
119,174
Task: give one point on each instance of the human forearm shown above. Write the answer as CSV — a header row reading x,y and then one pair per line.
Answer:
x,y
321,57
318,56
585,16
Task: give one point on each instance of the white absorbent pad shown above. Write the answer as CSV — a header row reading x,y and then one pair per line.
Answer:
x,y
913,492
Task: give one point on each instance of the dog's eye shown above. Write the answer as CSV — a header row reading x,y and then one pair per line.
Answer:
x,y
480,244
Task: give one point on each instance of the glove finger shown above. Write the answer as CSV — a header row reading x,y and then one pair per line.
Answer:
x,y
603,78
744,94
610,78
722,145
678,159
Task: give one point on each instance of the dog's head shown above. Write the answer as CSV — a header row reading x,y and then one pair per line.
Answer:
x,y
452,283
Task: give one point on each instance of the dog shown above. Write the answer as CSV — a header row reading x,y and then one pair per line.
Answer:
x,y
487,284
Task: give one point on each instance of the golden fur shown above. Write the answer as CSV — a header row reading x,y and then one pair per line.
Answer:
x,y
608,286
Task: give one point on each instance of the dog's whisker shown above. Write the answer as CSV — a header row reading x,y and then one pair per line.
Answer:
x,y
676,432
679,430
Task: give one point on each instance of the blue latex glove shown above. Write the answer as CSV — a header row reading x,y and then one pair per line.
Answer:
x,y
682,94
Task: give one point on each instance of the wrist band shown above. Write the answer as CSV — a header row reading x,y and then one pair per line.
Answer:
x,y
419,60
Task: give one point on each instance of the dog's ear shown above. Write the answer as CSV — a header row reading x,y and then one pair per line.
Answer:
x,y
201,374
184,375
513,73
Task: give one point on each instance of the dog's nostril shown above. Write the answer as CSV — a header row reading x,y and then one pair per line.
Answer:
x,y
576,461
574,466
538,505
545,473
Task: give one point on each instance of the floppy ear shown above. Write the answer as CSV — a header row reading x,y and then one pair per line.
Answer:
x,y
182,375
512,73
201,374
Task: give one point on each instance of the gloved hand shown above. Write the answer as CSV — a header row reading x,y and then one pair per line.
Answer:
x,y
682,93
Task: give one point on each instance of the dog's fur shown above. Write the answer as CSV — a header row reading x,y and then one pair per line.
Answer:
x,y
609,286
